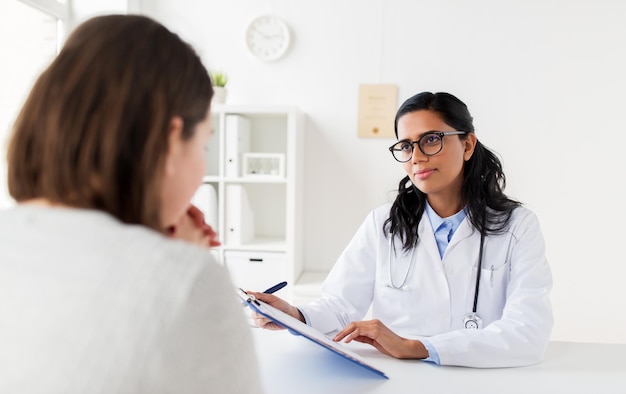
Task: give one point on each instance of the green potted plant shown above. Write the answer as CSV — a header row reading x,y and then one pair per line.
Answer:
x,y
219,80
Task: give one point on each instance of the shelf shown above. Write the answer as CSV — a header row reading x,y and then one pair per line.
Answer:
x,y
254,167
254,110
256,179
249,179
260,244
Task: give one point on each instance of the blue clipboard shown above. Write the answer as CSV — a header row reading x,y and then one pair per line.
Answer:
x,y
295,326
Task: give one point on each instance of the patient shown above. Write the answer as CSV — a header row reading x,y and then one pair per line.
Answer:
x,y
96,295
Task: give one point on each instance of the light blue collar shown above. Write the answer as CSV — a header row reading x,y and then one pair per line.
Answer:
x,y
454,221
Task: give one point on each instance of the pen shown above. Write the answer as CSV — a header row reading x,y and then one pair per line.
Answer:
x,y
271,290
275,288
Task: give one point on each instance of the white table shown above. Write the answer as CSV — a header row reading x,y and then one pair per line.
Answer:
x,y
293,364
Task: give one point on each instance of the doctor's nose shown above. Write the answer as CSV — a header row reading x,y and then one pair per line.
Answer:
x,y
418,156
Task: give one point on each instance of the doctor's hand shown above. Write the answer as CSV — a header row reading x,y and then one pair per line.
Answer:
x,y
278,303
375,333
191,227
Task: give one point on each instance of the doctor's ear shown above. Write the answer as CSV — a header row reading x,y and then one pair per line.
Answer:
x,y
470,144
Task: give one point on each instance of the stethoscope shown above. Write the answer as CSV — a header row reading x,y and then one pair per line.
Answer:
x,y
471,320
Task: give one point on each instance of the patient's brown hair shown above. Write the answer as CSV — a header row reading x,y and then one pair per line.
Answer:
x,y
93,132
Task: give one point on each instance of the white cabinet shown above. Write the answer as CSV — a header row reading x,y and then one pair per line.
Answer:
x,y
252,193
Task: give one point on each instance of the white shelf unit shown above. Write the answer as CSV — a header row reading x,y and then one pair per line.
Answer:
x,y
258,215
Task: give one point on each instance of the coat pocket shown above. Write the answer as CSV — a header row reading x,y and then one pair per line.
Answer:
x,y
494,282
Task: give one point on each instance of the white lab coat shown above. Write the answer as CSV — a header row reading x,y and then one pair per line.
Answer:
x,y
439,292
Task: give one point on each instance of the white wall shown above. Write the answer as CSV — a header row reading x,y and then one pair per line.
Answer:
x,y
84,9
543,79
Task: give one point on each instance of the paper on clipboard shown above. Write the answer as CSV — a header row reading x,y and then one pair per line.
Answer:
x,y
297,327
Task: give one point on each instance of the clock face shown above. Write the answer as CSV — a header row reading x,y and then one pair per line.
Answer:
x,y
267,37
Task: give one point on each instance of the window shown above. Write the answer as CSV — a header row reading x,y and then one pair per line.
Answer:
x,y
31,35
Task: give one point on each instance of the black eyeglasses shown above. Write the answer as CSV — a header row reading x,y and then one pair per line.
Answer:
x,y
430,144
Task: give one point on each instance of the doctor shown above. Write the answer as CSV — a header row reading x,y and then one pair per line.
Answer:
x,y
454,271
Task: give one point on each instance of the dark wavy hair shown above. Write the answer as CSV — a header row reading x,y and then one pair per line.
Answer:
x,y
489,209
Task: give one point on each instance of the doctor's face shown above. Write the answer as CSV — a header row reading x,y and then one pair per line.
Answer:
x,y
439,175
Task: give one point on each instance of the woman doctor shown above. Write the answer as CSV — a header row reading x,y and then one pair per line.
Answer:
x,y
454,271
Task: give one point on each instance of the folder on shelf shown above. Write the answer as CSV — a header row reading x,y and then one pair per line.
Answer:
x,y
239,216
237,136
297,327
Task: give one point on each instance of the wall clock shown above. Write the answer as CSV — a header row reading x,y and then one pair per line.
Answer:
x,y
268,37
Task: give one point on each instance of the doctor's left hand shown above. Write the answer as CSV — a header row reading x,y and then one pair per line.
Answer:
x,y
375,333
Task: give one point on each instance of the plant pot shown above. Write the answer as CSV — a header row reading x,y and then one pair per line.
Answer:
x,y
219,95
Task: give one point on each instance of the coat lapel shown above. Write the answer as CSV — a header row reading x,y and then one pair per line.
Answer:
x,y
427,238
464,231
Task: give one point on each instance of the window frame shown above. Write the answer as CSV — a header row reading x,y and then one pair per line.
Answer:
x,y
60,11
51,7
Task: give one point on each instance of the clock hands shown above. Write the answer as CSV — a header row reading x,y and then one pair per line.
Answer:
x,y
270,36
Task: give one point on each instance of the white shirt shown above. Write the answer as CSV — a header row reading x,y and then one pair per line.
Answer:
x,y
439,292
91,305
